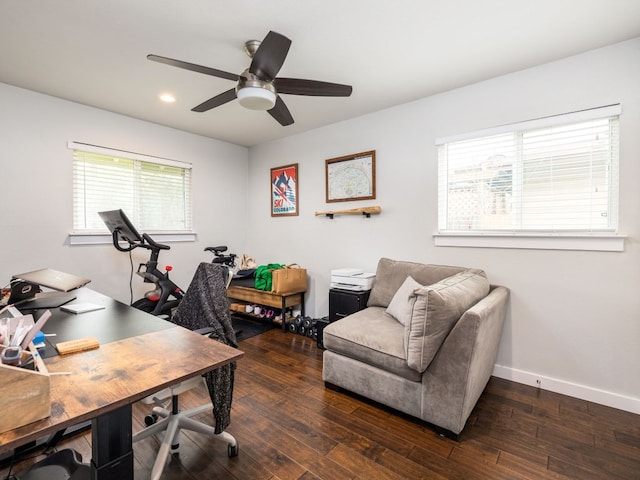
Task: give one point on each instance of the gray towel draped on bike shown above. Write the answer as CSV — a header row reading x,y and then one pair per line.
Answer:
x,y
206,305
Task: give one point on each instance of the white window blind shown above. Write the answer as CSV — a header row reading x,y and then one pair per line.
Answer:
x,y
557,174
154,193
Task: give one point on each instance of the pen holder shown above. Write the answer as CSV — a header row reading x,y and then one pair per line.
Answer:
x,y
26,396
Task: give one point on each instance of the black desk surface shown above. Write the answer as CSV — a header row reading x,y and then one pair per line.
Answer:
x,y
116,321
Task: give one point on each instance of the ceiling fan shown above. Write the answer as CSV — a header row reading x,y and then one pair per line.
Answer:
x,y
257,87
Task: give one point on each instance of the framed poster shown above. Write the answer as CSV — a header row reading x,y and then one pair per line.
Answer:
x,y
352,177
284,191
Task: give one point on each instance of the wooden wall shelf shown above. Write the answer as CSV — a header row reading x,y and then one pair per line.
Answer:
x,y
366,211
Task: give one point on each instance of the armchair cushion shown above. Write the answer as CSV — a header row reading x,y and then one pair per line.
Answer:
x,y
436,310
401,305
373,337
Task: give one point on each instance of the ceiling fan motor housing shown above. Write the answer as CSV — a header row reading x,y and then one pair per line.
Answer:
x,y
254,93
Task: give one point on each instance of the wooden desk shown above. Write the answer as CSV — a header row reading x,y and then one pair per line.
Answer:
x,y
261,297
103,384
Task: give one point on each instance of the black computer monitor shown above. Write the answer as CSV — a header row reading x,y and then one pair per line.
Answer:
x,y
117,221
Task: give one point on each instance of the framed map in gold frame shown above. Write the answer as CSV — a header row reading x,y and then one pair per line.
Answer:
x,y
284,191
352,177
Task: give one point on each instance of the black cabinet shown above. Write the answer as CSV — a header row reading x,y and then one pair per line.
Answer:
x,y
346,302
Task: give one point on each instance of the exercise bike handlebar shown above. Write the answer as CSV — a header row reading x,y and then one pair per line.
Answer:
x,y
150,244
115,236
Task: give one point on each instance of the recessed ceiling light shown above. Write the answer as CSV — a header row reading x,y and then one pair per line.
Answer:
x,y
167,98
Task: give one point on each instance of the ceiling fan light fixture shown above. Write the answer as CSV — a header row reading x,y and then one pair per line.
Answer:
x,y
256,98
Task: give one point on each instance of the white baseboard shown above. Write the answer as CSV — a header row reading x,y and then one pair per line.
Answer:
x,y
610,399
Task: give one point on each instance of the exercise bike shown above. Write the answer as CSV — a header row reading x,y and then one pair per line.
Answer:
x,y
166,295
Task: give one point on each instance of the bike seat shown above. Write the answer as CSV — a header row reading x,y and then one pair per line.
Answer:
x,y
216,250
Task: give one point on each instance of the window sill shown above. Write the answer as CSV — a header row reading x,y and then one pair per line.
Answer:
x,y
105,238
551,241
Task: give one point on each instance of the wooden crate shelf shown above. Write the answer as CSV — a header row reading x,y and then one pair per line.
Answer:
x,y
269,299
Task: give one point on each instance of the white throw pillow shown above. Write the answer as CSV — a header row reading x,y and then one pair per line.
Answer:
x,y
401,305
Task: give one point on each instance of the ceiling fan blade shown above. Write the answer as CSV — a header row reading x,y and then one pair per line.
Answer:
x,y
216,101
193,67
281,113
315,88
270,56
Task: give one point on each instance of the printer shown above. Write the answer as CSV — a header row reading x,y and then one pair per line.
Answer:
x,y
353,279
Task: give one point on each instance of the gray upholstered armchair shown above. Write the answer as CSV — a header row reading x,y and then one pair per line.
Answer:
x,y
425,345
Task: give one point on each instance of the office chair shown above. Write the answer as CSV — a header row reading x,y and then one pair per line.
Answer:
x,y
204,309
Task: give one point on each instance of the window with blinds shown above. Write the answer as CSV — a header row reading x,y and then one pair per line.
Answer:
x,y
557,174
154,193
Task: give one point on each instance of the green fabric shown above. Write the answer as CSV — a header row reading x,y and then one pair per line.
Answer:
x,y
263,276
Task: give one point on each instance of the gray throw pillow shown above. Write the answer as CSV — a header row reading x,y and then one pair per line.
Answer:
x,y
436,310
401,305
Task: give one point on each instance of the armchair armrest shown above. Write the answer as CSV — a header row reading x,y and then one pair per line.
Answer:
x,y
456,377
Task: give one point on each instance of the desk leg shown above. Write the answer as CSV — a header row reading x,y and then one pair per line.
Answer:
x,y
111,446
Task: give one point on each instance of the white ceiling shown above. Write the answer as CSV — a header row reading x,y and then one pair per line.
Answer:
x,y
391,52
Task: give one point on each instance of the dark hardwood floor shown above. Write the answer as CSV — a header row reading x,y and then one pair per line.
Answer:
x,y
290,427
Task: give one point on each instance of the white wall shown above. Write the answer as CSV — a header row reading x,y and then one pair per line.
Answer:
x,y
574,320
36,198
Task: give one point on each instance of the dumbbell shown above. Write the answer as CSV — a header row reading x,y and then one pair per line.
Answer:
x,y
311,328
294,326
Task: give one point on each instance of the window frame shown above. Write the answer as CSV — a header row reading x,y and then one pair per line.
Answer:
x,y
594,240
84,236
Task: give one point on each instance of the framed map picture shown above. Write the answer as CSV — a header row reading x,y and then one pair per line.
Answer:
x,y
284,191
352,177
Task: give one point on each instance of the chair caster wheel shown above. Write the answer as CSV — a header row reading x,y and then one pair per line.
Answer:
x,y
232,450
150,419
